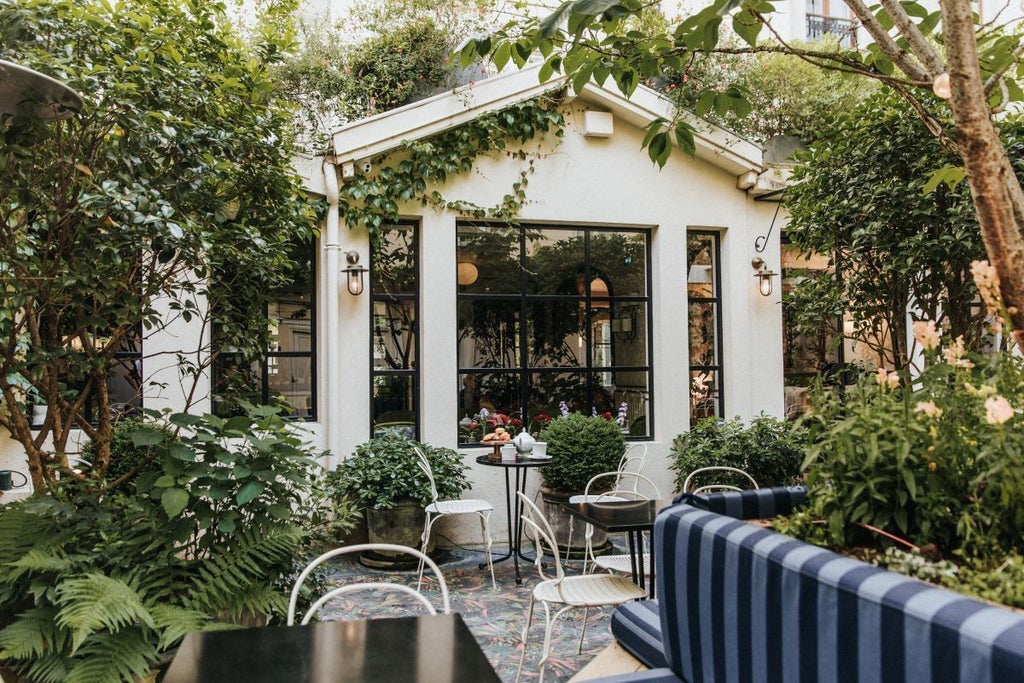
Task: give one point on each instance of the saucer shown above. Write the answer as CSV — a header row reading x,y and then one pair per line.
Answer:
x,y
531,456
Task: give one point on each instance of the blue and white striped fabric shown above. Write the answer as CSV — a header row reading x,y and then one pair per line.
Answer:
x,y
751,503
742,603
637,627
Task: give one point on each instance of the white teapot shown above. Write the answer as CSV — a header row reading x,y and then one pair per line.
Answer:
x,y
524,442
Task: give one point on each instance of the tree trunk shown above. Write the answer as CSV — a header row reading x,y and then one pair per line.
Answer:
x,y
994,187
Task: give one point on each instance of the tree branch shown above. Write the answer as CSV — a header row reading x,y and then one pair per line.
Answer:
x,y
889,47
918,43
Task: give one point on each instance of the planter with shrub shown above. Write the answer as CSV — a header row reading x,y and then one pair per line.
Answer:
x,y
580,447
382,476
770,450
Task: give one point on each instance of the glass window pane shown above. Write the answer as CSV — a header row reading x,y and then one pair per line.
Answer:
x,y
553,335
548,389
555,261
487,260
620,260
629,333
393,270
704,394
488,332
394,404
290,384
394,334
703,346
632,394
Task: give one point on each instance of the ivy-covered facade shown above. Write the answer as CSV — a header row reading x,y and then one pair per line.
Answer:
x,y
524,254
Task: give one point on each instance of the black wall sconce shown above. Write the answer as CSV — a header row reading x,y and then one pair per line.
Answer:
x,y
354,271
764,274
624,323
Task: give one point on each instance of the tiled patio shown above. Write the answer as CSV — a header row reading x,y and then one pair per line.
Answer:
x,y
495,617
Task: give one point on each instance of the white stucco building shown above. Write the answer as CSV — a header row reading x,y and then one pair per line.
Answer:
x,y
619,283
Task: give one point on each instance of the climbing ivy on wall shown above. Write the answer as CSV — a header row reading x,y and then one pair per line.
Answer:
x,y
372,200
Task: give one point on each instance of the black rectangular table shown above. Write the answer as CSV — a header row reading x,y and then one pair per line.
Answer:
x,y
633,517
426,649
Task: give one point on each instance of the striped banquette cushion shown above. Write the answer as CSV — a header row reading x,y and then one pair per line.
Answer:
x,y
637,625
749,504
743,603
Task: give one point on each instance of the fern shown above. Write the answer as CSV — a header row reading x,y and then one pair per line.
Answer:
x,y
96,602
33,633
175,622
114,657
227,576
40,560
50,668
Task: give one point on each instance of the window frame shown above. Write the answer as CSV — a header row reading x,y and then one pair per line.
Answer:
x,y
716,301
415,297
524,301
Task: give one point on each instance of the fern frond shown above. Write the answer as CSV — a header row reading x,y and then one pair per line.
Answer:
x,y
253,560
41,560
19,531
114,657
51,668
175,622
32,633
96,602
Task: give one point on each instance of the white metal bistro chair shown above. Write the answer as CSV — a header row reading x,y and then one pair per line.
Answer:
x,y
367,585
631,462
642,489
563,593
463,506
709,488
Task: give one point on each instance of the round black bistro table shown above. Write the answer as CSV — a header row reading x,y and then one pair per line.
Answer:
x,y
513,506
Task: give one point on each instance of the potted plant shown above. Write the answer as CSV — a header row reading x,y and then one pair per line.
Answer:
x,y
580,447
383,477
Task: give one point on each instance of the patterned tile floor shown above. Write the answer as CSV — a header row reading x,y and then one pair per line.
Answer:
x,y
496,617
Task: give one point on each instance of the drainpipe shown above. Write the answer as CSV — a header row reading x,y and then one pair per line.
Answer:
x,y
332,265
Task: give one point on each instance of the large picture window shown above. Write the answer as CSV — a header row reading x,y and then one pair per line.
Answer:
x,y
286,374
552,314
394,287
703,289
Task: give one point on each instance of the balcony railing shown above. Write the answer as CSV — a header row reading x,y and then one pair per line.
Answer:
x,y
845,30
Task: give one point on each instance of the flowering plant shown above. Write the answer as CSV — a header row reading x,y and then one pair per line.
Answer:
x,y
937,458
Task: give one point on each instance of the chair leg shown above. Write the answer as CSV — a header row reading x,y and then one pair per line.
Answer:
x,y
485,527
526,631
583,631
424,538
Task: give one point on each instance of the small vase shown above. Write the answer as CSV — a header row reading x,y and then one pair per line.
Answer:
x,y
523,441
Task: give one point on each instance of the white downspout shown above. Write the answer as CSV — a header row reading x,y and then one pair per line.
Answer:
x,y
332,324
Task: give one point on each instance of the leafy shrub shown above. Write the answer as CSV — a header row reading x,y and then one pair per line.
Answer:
x,y
769,449
99,585
580,447
941,461
125,455
383,472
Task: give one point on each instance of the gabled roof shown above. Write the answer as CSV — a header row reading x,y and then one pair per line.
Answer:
x,y
384,132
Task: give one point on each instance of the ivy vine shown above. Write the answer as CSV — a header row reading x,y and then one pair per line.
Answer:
x,y
372,200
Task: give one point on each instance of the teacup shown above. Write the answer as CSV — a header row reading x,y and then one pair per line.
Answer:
x,y
508,452
540,448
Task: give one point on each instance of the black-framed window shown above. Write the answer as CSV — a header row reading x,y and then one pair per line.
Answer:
x,y
551,314
394,330
285,375
809,350
704,311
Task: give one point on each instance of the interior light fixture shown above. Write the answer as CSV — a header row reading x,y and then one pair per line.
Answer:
x,y
466,273
764,274
354,271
